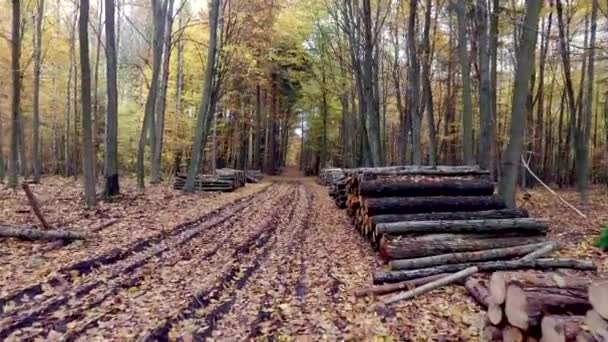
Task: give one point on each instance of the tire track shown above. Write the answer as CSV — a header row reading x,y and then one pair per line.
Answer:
x,y
120,278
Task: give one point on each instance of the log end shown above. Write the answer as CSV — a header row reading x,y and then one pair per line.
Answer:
x,y
516,307
598,296
552,331
491,333
512,334
495,313
498,287
597,325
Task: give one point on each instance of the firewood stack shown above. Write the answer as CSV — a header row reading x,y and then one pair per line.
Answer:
x,y
225,180
525,306
329,176
337,190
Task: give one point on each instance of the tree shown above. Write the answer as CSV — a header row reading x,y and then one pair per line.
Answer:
x,y
523,72
16,93
37,66
110,161
465,71
486,131
205,110
88,152
414,84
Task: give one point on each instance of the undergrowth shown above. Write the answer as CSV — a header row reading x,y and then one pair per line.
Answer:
x,y
602,240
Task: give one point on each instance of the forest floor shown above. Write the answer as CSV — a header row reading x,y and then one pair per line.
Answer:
x,y
270,261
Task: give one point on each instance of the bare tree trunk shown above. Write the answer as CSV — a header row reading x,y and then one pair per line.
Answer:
x,y
149,126
95,125
88,149
162,96
206,107
427,90
112,186
467,107
414,85
16,93
486,131
523,71
373,117
37,66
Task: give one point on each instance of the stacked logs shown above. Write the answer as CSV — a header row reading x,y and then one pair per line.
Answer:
x,y
225,180
331,175
337,190
254,176
524,306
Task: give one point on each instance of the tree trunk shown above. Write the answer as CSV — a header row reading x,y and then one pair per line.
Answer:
x,y
413,205
524,308
31,198
387,188
112,185
16,93
499,281
88,152
36,102
452,216
37,234
456,258
465,72
414,85
161,99
523,71
149,125
419,247
526,226
487,266
205,111
486,126
478,291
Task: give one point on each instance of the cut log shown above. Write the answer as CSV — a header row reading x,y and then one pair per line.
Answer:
x,y
585,336
28,233
556,328
450,187
452,216
420,247
460,170
488,266
525,226
457,258
546,249
388,288
31,198
500,280
495,313
597,325
524,308
478,291
512,334
491,333
413,205
452,278
598,296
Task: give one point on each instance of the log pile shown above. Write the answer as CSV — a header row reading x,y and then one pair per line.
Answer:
x,y
254,176
225,180
329,176
523,306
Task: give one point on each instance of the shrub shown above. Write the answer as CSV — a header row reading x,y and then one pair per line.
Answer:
x,y
602,240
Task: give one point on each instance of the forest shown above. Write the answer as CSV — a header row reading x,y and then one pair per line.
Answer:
x,y
240,170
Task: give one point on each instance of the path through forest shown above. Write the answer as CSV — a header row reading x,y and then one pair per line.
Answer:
x,y
278,261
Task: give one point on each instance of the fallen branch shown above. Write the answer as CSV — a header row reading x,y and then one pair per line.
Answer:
x,y
34,204
452,278
37,234
548,248
388,288
103,226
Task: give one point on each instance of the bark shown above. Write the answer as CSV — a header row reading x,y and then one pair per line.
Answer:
x,y
414,85
493,49
422,170
486,126
88,153
488,266
205,111
426,79
413,205
16,92
499,281
478,291
557,328
388,188
161,98
523,72
31,198
526,226
465,73
110,161
456,258
597,325
524,308
37,234
36,102
452,216
585,336
389,288
420,247
149,125
598,296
